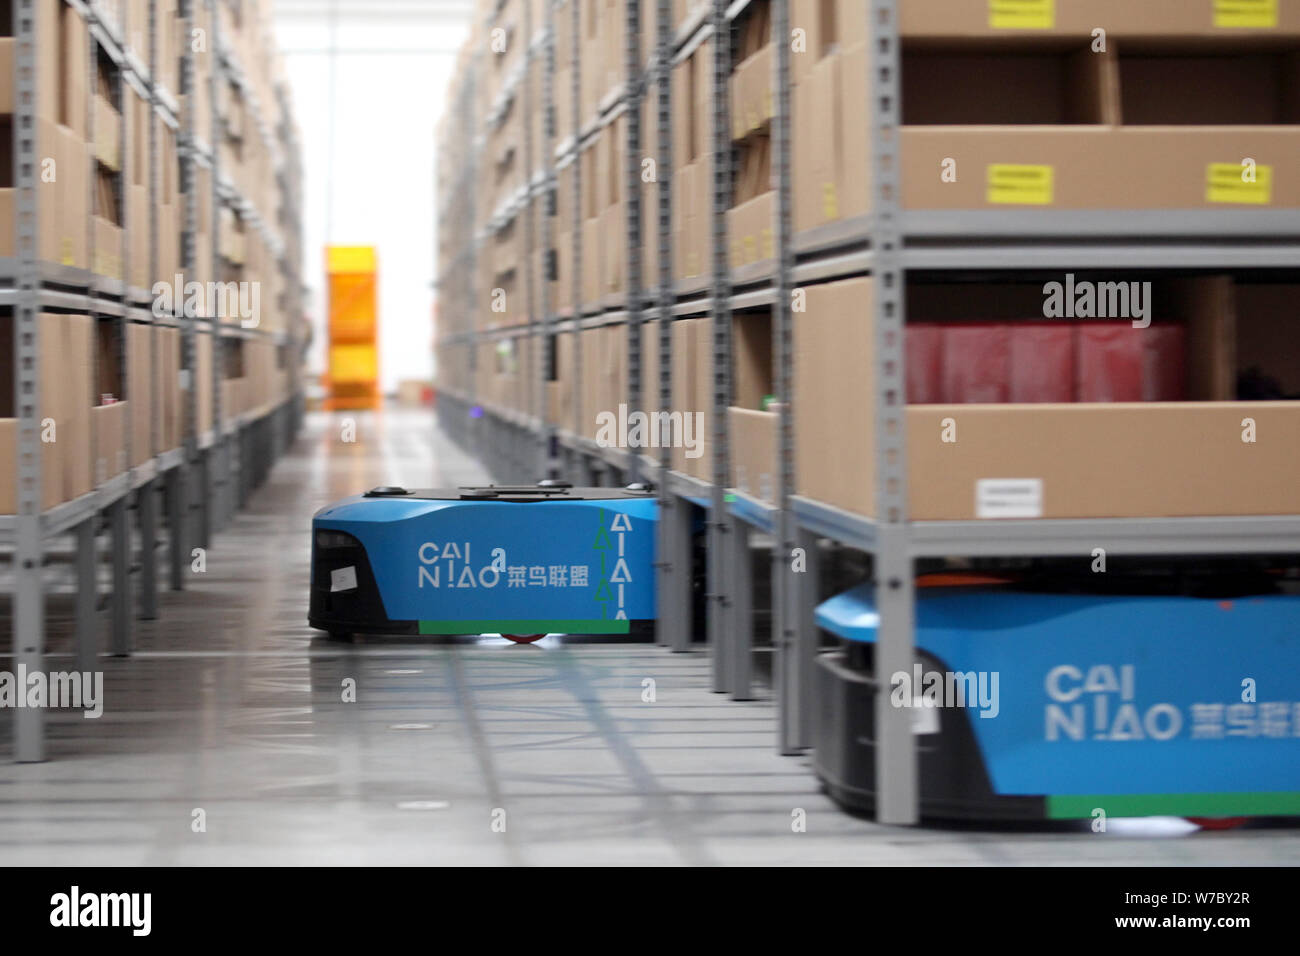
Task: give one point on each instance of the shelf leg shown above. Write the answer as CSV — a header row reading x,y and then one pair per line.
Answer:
x,y
148,503
121,534
177,553
741,614
87,595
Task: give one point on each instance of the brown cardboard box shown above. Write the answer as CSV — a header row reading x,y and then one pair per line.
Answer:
x,y
107,260
685,149
7,75
593,261
816,19
202,381
750,232
165,387
53,374
751,358
62,65
684,382
964,19
833,352
1109,461
702,93
702,395
108,134
613,237
78,398
61,198
1165,168
751,94
108,424
815,141
854,178
753,452
139,378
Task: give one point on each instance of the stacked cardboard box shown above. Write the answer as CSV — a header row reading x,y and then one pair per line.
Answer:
x,y
1101,457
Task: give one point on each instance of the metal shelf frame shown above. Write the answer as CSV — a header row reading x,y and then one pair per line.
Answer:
x,y
885,244
163,483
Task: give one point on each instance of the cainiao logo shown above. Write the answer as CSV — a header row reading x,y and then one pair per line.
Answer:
x,y
1099,703
77,909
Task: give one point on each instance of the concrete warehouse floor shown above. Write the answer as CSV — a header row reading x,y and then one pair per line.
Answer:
x,y
233,705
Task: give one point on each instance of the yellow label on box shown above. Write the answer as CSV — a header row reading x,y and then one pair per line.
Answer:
x,y
65,249
830,202
1018,184
1022,14
1256,14
1238,183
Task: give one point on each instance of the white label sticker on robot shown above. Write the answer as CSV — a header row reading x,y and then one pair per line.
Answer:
x,y
343,579
1009,498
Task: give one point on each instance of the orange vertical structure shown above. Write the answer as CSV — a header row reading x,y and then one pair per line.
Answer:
x,y
354,327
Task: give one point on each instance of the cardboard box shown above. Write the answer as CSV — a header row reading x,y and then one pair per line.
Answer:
x,y
816,144
701,337
684,362
62,66
593,261
62,223
966,20
751,94
750,231
834,352
202,382
107,257
1072,168
815,20
853,179
753,452
108,134
139,381
78,398
54,420
108,424
1108,461
751,359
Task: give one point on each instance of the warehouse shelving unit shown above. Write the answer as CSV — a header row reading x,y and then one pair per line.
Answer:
x,y
886,245
130,502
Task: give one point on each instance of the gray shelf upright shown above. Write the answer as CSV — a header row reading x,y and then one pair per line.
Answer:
x,y
575,32
674,563
545,345
632,94
722,528
186,497
28,600
896,755
793,591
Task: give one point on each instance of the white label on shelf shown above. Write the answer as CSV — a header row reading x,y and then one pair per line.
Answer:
x,y
1009,498
343,579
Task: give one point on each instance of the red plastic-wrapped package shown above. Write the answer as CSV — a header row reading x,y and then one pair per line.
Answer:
x,y
976,362
1120,363
924,343
1109,362
1042,362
